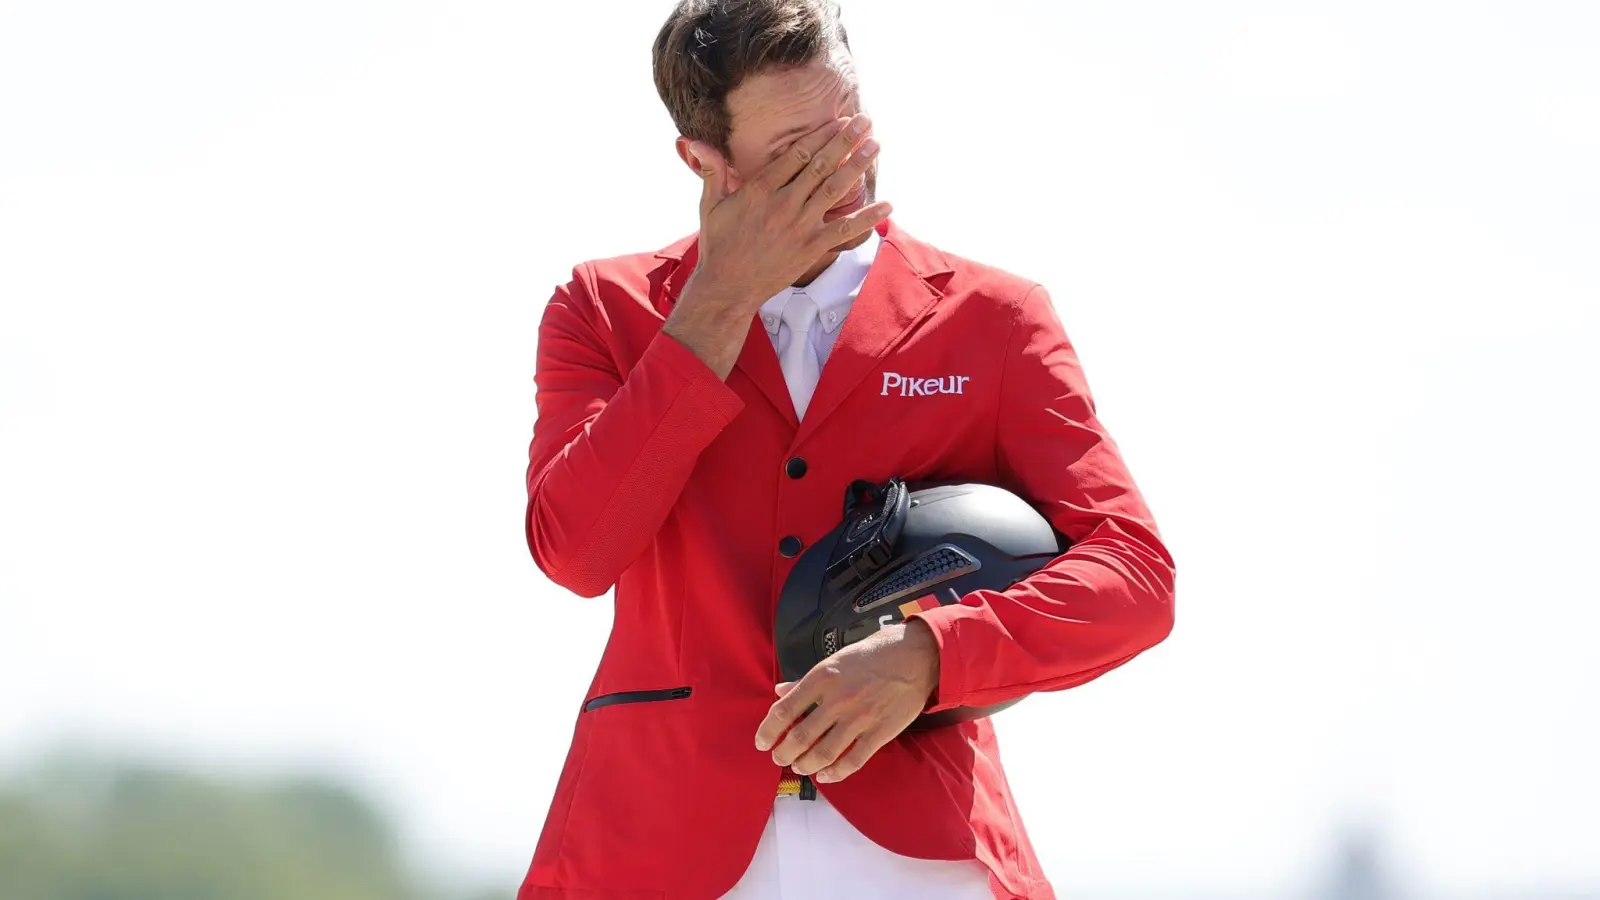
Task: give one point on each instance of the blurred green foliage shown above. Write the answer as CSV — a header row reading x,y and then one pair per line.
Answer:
x,y
77,828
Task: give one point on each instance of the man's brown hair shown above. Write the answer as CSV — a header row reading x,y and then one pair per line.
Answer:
x,y
707,48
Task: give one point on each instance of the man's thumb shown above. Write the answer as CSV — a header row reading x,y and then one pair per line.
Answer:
x,y
712,178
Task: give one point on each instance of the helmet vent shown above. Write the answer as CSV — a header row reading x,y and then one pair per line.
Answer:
x,y
938,564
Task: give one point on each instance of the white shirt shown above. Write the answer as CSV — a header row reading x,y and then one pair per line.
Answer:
x,y
808,851
834,291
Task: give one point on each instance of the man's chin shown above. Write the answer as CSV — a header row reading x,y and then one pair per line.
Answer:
x,y
849,245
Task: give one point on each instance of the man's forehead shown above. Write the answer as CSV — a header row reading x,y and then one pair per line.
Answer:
x,y
782,104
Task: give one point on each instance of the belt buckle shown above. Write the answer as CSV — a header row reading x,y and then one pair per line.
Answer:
x,y
792,785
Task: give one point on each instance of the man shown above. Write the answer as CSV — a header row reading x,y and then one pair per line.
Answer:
x,y
701,410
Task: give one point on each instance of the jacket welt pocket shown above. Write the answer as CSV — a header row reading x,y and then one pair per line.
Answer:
x,y
636,697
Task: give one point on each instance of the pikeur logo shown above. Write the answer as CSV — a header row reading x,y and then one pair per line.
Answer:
x,y
923,387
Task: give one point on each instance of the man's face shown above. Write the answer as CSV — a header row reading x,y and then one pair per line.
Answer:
x,y
770,111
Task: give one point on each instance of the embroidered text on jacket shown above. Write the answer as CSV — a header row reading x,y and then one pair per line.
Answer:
x,y
923,387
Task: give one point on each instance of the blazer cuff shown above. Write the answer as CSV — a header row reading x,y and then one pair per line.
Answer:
x,y
716,400
942,621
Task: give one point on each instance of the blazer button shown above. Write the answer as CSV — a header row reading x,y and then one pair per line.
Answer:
x,y
796,467
789,546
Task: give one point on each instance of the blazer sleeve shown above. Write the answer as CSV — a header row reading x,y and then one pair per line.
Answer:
x,y
1110,596
611,450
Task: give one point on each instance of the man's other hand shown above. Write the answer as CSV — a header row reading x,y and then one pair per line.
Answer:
x,y
829,723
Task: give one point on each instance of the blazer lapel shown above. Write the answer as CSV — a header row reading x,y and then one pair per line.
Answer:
x,y
902,287
757,360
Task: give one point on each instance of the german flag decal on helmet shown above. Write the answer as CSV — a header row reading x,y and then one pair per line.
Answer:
x,y
921,604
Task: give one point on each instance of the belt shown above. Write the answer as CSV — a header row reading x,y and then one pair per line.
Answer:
x,y
792,785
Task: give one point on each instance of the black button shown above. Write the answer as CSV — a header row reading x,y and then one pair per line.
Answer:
x,y
789,546
796,467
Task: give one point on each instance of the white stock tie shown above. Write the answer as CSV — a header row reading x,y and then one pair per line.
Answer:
x,y
799,361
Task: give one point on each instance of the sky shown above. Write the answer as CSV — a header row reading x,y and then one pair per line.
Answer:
x,y
270,279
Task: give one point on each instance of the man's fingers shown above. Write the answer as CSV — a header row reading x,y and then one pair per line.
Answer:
x,y
828,159
845,229
854,758
842,183
802,736
833,744
790,708
801,155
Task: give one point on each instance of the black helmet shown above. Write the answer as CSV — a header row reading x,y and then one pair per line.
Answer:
x,y
902,548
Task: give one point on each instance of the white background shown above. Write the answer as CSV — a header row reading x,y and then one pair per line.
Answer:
x,y
270,276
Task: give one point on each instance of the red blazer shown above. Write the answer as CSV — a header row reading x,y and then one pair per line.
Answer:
x,y
650,474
